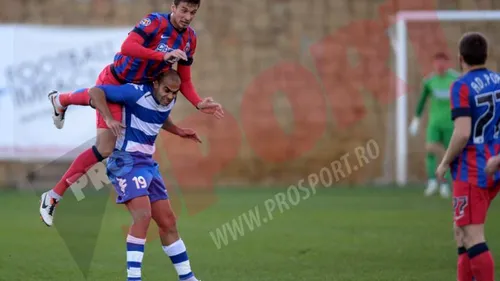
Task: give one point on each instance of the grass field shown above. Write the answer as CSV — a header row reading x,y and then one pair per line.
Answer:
x,y
348,234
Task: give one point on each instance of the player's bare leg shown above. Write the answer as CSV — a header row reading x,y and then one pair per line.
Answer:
x,y
433,150
105,142
173,245
140,209
464,271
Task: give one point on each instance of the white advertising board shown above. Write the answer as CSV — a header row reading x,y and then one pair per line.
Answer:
x,y
35,60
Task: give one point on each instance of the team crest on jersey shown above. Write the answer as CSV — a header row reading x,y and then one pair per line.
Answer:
x,y
145,22
187,48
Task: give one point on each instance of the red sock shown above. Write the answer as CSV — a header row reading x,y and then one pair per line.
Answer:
x,y
481,262
81,164
464,272
79,97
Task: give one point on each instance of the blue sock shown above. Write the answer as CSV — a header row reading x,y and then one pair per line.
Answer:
x,y
135,253
178,255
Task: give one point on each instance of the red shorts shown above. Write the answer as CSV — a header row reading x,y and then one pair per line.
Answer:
x,y
107,78
471,203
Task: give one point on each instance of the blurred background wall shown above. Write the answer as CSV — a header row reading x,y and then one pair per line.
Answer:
x,y
241,49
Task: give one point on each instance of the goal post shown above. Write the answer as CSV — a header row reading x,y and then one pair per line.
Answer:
x,y
400,44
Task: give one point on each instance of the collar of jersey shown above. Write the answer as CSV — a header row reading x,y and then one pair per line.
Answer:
x,y
477,69
178,31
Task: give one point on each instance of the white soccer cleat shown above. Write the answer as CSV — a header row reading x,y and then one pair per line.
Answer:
x,y
59,111
444,190
47,208
432,187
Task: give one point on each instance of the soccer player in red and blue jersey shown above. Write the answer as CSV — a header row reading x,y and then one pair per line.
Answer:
x,y
156,43
475,109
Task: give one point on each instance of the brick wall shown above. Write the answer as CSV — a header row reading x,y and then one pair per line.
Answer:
x,y
242,44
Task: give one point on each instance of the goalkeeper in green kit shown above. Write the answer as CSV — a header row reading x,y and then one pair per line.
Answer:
x,y
436,87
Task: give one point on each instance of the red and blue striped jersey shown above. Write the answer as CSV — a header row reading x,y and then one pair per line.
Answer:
x,y
160,35
477,95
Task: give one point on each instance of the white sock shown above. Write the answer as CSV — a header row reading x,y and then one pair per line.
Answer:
x,y
135,253
54,195
432,182
178,255
57,101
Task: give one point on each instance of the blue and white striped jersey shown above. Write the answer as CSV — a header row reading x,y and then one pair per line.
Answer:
x,y
142,115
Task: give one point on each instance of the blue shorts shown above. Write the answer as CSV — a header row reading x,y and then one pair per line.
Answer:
x,y
134,175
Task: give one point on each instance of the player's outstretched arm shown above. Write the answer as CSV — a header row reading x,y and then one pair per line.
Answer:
x,y
207,105
133,46
461,115
146,29
415,123
98,97
99,101
187,87
170,127
459,139
424,95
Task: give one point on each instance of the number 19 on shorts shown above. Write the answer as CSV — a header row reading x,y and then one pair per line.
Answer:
x,y
140,182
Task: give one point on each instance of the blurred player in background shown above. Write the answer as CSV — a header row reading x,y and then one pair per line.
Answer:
x,y
156,43
436,86
475,109
133,171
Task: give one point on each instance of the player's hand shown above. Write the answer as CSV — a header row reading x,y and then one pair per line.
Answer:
x,y
175,55
414,126
492,165
115,126
189,134
441,171
209,106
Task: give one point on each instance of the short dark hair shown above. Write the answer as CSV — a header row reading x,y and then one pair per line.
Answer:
x,y
473,48
171,73
192,2
441,56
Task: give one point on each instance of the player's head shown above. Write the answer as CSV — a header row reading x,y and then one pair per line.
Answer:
x,y
473,50
166,86
183,12
441,62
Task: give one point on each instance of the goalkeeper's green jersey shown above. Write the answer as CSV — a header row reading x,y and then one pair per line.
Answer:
x,y
437,88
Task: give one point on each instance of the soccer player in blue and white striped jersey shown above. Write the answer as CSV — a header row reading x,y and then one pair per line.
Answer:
x,y
132,170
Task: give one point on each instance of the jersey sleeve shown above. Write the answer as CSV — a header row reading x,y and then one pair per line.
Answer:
x,y
122,94
148,27
190,53
424,95
460,103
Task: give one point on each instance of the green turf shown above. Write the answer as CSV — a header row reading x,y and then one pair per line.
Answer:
x,y
359,234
